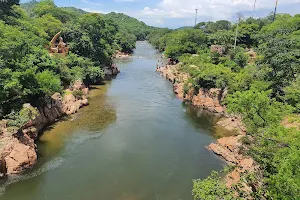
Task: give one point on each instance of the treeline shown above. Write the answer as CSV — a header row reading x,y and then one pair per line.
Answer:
x,y
262,76
130,25
28,72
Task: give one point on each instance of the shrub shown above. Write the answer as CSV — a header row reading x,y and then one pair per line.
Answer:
x,y
77,94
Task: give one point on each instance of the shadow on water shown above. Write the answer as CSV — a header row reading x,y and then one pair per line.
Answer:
x,y
205,121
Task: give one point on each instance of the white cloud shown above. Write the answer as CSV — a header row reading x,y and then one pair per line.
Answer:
x,y
208,9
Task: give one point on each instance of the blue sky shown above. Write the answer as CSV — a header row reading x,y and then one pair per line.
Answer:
x,y
177,13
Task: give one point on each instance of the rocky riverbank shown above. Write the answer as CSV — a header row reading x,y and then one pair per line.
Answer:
x,y
17,145
18,149
228,148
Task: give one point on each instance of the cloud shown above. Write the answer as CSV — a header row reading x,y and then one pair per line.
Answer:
x,y
207,9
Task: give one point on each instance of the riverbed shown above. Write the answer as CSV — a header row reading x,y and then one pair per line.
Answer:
x,y
135,141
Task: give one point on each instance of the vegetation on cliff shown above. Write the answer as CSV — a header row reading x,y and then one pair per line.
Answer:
x,y
262,78
28,72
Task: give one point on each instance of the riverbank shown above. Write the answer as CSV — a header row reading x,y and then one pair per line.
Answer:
x,y
18,150
120,54
231,149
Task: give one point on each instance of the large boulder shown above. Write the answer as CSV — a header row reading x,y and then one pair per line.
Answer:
x,y
19,155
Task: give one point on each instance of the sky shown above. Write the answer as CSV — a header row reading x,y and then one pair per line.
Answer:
x,y
178,13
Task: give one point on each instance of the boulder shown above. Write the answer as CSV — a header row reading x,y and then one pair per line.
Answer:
x,y
19,156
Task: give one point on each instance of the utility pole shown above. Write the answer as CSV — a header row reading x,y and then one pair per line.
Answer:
x,y
196,16
275,10
237,28
254,8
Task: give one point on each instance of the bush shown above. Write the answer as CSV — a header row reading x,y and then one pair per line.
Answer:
x,y
48,82
18,119
211,188
77,94
257,108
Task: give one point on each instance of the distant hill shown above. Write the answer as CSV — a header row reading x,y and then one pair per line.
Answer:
x,y
129,24
184,27
77,11
28,7
124,22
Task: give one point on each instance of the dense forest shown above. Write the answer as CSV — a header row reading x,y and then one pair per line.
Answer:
x,y
28,72
262,76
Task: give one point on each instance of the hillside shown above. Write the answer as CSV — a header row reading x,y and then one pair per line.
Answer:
x,y
129,24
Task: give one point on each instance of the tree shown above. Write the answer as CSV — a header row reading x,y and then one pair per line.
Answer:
x,y
257,108
5,7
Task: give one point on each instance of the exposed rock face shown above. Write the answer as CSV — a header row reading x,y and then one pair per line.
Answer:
x,y
19,154
230,149
18,147
120,54
209,99
111,72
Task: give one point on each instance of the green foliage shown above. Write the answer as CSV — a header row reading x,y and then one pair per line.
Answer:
x,y
239,57
49,24
48,82
222,37
18,119
292,94
277,151
129,25
29,73
77,94
257,108
125,42
178,42
212,188
212,27
5,8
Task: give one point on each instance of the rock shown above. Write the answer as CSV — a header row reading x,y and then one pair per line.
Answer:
x,y
3,168
232,124
3,125
210,99
18,148
224,153
85,91
85,102
20,156
78,85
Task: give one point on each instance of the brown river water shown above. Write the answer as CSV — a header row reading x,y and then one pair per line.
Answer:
x,y
135,141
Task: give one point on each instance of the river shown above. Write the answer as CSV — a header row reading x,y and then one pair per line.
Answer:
x,y
135,141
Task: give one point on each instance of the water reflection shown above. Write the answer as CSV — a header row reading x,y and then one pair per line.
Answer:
x,y
205,121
